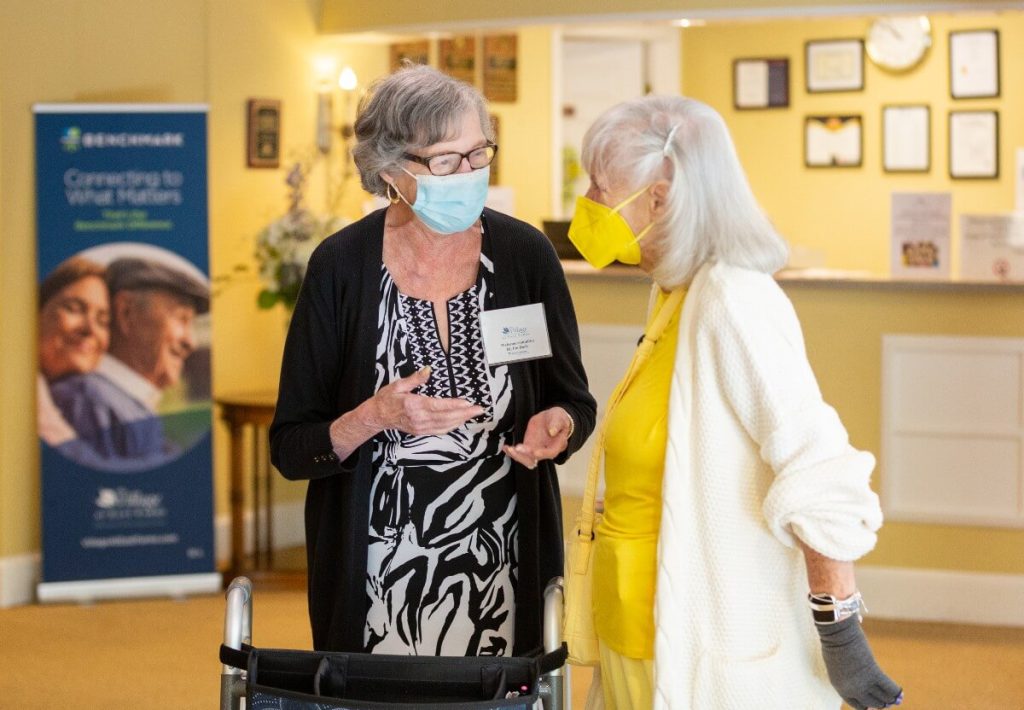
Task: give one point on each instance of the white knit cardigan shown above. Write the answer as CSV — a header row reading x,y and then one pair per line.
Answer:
x,y
754,457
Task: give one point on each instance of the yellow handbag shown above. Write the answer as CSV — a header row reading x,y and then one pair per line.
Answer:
x,y
578,627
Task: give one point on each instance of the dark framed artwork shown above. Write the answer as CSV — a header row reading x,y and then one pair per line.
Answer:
x,y
760,83
906,138
973,145
417,52
501,61
457,57
974,64
263,131
833,141
834,65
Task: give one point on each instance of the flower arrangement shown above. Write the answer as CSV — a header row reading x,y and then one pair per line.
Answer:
x,y
284,246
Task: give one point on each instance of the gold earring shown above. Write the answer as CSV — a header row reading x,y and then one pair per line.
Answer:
x,y
393,199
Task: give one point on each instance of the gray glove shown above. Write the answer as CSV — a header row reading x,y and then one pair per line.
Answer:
x,y
852,669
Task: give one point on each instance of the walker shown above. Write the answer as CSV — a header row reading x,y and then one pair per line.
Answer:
x,y
274,679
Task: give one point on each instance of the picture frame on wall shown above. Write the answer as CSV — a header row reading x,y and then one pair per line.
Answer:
x,y
833,141
834,65
457,57
973,145
906,138
263,133
500,68
417,52
760,83
974,64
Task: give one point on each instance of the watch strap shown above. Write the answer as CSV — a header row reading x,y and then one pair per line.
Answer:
x,y
826,609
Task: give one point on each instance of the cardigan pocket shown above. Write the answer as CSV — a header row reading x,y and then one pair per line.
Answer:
x,y
740,683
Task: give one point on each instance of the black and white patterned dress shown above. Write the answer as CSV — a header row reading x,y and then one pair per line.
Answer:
x,y
443,548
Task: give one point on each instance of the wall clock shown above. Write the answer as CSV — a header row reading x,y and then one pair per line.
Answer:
x,y
898,43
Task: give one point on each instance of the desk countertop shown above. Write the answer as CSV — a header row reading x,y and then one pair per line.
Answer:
x,y
814,277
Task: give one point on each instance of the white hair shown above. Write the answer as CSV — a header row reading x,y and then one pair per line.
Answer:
x,y
712,214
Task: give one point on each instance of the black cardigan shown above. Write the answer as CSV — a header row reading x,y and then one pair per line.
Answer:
x,y
328,369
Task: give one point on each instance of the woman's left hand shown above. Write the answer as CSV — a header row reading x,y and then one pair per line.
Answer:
x,y
547,435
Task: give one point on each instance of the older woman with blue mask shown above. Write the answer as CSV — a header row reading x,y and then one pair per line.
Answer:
x,y
419,401
734,502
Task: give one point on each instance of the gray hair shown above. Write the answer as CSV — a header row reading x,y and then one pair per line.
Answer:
x,y
415,107
712,214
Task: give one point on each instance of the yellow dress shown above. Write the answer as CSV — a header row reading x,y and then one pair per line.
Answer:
x,y
627,537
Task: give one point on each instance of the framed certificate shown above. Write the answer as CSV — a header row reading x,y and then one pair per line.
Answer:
x,y
833,141
501,61
760,83
974,64
973,144
457,57
906,139
263,133
835,65
417,52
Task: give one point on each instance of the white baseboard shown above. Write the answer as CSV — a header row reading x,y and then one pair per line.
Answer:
x,y
942,595
19,574
18,577
88,591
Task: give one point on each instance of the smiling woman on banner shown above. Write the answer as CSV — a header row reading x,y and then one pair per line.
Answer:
x,y
432,514
74,333
730,483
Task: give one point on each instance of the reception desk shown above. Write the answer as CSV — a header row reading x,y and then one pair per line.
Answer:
x,y
846,318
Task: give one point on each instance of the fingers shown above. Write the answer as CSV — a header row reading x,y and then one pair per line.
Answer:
x,y
423,415
408,384
559,423
522,455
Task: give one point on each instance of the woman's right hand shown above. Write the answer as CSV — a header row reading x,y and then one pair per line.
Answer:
x,y
396,406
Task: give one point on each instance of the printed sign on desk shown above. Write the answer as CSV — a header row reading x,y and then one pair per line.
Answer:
x,y
123,384
920,234
993,247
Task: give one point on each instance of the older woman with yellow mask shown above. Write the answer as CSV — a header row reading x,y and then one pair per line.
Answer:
x,y
730,484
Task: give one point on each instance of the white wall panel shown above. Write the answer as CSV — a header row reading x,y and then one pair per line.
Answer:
x,y
953,430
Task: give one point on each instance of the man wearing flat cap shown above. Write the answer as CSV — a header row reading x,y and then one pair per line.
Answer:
x,y
114,408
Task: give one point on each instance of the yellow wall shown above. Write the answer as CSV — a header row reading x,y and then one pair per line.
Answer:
x,y
844,326
526,129
843,329
225,52
221,54
218,53
54,51
845,211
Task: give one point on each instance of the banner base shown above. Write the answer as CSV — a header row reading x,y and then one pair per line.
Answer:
x,y
178,585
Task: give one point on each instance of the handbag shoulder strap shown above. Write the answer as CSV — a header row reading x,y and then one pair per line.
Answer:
x,y
585,520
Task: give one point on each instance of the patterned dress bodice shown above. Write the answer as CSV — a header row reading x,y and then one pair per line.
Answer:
x,y
441,572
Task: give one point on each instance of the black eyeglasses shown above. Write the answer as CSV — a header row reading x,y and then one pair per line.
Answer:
x,y
448,163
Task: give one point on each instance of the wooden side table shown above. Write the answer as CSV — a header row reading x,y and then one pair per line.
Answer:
x,y
248,416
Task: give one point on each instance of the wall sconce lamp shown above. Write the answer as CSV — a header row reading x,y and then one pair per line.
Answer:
x,y
347,82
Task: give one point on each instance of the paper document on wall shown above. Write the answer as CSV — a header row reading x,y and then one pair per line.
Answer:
x,y
993,247
833,141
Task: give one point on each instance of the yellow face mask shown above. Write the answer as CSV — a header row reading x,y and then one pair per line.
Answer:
x,y
602,235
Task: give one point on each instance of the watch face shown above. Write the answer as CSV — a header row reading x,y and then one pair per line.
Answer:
x,y
898,43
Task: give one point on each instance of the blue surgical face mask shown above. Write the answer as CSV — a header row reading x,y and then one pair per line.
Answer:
x,y
450,203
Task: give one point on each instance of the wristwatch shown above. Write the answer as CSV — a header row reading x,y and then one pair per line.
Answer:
x,y
826,609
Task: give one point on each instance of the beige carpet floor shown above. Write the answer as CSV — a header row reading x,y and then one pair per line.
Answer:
x,y
163,654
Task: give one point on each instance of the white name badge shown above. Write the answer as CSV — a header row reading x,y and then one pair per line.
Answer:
x,y
515,334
